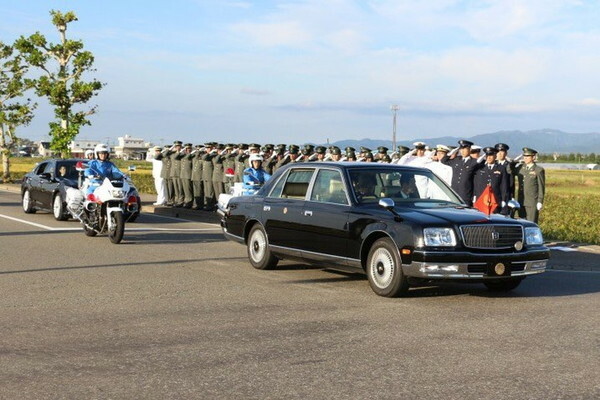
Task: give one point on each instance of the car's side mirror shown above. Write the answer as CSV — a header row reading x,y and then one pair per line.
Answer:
x,y
387,203
131,168
45,175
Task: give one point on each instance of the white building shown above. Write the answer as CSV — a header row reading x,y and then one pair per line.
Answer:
x,y
78,147
130,148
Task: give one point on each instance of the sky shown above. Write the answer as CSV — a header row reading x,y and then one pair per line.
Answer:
x,y
300,71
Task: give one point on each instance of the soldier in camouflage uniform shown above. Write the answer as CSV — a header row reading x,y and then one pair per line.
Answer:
x,y
176,156
197,186
185,176
229,167
240,158
218,173
207,175
532,186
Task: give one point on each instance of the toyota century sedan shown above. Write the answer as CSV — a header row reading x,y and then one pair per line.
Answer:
x,y
400,225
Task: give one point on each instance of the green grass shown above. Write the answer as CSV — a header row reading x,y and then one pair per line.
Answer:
x,y
571,208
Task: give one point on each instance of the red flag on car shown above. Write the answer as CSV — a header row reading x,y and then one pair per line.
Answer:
x,y
486,202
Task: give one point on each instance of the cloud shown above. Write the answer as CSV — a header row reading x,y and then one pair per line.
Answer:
x,y
285,33
254,92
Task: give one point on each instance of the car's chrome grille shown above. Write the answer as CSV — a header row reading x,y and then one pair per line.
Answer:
x,y
491,236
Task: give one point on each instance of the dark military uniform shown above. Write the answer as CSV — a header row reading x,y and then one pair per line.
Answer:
x,y
197,186
509,166
495,176
463,171
532,187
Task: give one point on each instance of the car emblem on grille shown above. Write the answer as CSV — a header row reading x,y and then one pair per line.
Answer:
x,y
499,269
495,235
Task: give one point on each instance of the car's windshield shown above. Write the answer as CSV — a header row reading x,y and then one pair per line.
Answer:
x,y
370,185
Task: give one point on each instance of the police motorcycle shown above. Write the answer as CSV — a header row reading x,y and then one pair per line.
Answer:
x,y
103,210
238,189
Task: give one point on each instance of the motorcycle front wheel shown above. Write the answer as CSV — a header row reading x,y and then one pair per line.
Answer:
x,y
115,233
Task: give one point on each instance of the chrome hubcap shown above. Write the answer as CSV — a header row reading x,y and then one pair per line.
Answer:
x,y
56,206
258,244
382,268
26,200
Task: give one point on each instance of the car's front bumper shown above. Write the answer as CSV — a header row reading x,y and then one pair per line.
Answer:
x,y
467,265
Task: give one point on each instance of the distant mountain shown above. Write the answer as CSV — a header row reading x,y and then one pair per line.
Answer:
x,y
542,140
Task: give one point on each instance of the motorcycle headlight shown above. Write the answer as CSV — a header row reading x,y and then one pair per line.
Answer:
x,y
533,236
439,237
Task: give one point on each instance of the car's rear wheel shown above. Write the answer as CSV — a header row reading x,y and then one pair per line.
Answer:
x,y
58,208
505,285
258,249
28,202
384,269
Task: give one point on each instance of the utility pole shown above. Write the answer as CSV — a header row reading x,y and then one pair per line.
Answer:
x,y
394,109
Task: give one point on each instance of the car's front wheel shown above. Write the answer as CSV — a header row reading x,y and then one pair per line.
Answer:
x,y
384,269
258,249
28,202
58,208
505,285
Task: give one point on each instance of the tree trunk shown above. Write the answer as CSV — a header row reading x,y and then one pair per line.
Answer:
x,y
6,166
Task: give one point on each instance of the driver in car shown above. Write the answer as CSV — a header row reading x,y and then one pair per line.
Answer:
x,y
101,168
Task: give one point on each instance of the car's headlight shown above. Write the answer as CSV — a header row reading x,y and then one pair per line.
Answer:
x,y
437,237
533,235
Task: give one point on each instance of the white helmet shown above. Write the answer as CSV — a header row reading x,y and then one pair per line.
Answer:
x,y
88,152
101,148
256,157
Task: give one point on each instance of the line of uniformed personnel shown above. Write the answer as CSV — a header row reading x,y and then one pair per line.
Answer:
x,y
194,176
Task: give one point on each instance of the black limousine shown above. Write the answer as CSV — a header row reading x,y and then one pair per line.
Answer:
x,y
400,225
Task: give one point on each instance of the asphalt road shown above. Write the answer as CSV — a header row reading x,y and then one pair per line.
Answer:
x,y
175,311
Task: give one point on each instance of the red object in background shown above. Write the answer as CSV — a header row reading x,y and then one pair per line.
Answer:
x,y
486,202
229,172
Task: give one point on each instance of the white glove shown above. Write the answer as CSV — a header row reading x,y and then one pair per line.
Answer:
x,y
453,152
481,158
517,158
474,198
503,204
539,206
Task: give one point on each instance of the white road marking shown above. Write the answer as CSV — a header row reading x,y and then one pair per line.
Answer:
x,y
49,228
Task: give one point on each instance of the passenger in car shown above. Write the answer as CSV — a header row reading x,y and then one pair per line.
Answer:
x,y
364,186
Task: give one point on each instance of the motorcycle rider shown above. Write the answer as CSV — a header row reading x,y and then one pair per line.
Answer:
x,y
101,168
254,176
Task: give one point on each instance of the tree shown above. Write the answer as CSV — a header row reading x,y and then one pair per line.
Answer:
x,y
64,87
13,113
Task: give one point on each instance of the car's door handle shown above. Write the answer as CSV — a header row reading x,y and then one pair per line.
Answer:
x,y
266,208
308,213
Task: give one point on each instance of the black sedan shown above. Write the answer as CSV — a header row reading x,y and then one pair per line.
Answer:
x,y
44,188
400,225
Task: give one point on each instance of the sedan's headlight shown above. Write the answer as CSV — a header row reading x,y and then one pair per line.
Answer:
x,y
533,235
436,237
